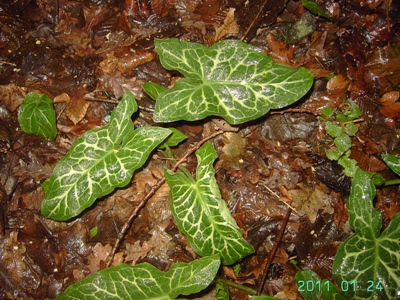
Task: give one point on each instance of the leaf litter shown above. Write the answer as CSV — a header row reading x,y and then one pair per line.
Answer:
x,y
101,49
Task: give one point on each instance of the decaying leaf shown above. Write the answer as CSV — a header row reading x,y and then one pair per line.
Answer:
x,y
229,27
127,62
233,149
390,107
385,62
280,51
294,32
76,108
99,255
311,200
12,96
337,88
138,251
158,246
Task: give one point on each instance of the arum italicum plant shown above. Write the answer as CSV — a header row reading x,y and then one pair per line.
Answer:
x,y
366,265
230,79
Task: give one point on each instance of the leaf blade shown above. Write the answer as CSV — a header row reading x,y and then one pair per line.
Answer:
x,y
201,213
230,79
144,281
37,116
99,161
313,7
368,256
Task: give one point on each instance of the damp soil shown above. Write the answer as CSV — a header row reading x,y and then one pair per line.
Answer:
x,y
86,54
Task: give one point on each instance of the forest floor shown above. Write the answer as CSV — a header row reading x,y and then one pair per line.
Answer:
x,y
86,54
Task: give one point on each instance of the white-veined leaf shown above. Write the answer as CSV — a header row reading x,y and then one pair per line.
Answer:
x,y
230,79
368,263
99,161
144,281
201,213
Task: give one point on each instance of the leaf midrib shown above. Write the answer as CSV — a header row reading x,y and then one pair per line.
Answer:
x,y
213,223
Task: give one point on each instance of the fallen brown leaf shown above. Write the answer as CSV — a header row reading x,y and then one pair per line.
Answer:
x,y
12,96
76,108
100,254
138,251
229,27
312,199
337,88
390,107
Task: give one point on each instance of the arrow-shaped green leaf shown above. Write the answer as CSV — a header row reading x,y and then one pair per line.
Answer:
x,y
230,79
37,116
368,263
144,281
99,161
201,213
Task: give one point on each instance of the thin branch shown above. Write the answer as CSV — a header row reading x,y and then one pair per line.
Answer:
x,y
3,62
296,110
254,20
280,198
153,190
273,251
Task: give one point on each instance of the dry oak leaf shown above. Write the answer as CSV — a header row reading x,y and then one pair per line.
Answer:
x,y
138,251
390,107
229,27
100,255
311,200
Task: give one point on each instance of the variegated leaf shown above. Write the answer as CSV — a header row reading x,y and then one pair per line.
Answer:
x,y
201,213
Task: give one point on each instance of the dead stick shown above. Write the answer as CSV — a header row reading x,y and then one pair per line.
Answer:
x,y
153,190
273,251
254,20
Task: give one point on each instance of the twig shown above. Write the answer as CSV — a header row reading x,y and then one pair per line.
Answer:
x,y
254,20
153,190
3,62
273,251
280,198
296,110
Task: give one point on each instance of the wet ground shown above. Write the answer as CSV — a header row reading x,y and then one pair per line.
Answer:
x,y
86,54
